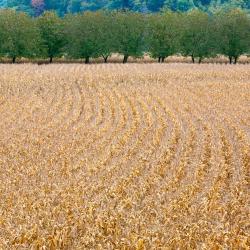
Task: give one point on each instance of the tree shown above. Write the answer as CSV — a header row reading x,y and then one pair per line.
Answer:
x,y
232,34
3,3
105,23
74,6
21,37
82,36
197,36
38,6
61,7
51,30
179,5
120,4
163,35
155,5
93,5
21,5
129,35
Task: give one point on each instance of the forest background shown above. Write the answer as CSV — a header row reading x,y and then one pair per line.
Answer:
x,y
62,7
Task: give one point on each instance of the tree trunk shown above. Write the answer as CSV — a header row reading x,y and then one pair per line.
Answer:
x,y
193,61
50,59
87,60
200,59
163,59
125,59
230,59
105,59
13,59
235,59
159,59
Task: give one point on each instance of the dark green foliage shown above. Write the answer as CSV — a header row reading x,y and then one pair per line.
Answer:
x,y
106,34
129,34
20,5
120,4
155,5
90,5
163,34
71,6
19,35
99,34
3,3
197,39
89,35
52,34
232,34
180,5
74,6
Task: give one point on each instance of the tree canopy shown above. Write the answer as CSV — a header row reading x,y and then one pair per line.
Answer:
x,y
19,35
87,35
36,7
51,30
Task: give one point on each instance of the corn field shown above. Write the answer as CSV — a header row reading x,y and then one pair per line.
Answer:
x,y
137,156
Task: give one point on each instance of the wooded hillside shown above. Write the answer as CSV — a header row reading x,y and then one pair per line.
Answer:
x,y
36,7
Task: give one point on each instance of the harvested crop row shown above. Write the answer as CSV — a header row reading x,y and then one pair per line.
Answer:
x,y
124,156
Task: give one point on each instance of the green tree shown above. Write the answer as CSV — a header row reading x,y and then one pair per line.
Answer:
x,y
38,6
93,5
52,34
163,35
3,3
21,36
232,34
82,36
21,5
179,5
105,29
197,36
120,4
74,6
61,7
129,34
155,5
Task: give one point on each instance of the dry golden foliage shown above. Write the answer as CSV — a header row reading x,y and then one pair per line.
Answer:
x,y
139,156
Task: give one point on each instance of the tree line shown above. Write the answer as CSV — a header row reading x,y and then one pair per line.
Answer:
x,y
36,7
100,34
